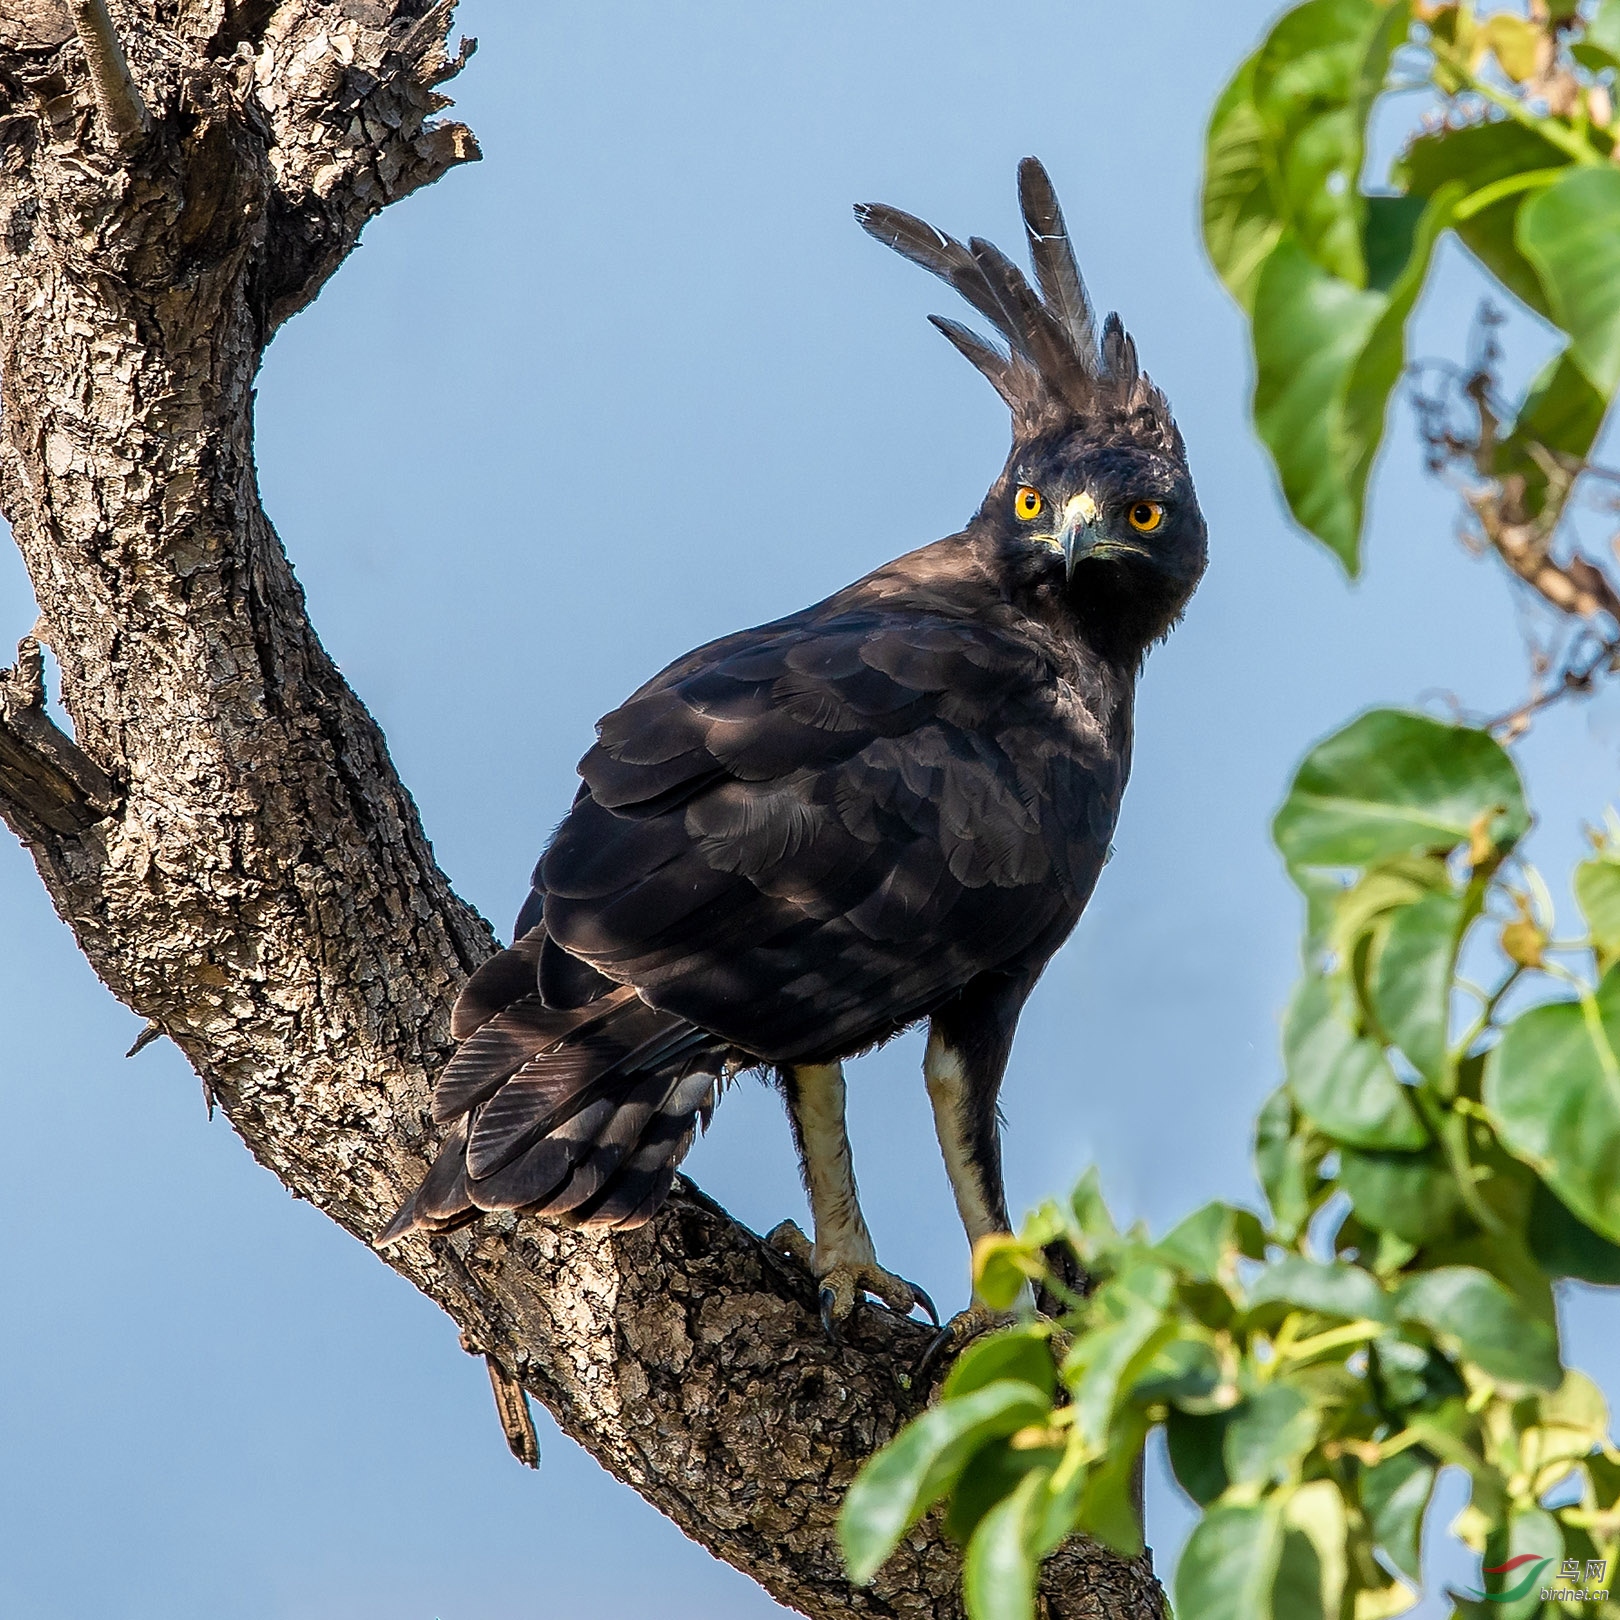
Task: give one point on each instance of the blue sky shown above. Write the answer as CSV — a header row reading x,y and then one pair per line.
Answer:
x,y
636,380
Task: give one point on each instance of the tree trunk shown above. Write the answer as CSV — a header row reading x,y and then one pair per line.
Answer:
x,y
225,833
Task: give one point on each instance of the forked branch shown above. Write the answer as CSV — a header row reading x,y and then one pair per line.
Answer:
x,y
47,784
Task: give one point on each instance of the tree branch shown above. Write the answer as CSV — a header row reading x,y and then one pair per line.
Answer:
x,y
260,889
47,786
1522,534
117,95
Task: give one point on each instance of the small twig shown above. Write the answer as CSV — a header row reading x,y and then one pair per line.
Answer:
x,y
152,1032
1466,454
118,97
512,1407
1575,679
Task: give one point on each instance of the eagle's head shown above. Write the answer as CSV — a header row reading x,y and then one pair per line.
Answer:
x,y
1094,514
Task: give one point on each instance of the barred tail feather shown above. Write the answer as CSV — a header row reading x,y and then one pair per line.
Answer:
x,y
579,1114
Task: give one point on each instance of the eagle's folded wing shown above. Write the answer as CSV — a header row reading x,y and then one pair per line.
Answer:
x,y
806,842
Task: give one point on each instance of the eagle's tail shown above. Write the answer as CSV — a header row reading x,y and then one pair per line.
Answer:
x,y
578,1113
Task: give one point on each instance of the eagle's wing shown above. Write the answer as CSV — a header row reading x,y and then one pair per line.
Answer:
x,y
807,839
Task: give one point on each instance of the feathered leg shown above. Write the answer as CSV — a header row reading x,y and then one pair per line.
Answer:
x,y
969,1138
969,1041
841,1258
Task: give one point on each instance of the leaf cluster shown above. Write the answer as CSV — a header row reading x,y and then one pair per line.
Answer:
x,y
1327,261
1444,1149
1440,1154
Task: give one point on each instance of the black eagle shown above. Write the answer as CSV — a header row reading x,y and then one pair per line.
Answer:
x,y
803,838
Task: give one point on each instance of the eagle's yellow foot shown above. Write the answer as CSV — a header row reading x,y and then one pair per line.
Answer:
x,y
956,1336
845,1279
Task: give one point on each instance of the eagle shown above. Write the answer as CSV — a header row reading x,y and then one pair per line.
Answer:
x,y
888,808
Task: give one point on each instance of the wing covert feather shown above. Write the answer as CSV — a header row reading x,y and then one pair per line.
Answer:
x,y
818,831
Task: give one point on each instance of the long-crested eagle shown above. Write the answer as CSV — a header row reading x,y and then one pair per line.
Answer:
x,y
889,807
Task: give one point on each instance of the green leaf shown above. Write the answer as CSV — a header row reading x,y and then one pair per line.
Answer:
x,y
1310,328
1003,1265
1285,1160
1483,156
1469,1310
1570,1423
1269,1435
1562,412
1407,1374
1571,233
1208,1242
1532,1531
1602,31
1241,224
1597,889
1091,1209
1365,907
1107,1509
1000,1571
1395,1496
1553,1086
1413,1195
1108,1358
993,1473
1379,366
1197,1445
1330,1288
1229,1565
1393,783
1328,352
1577,1405
1316,1509
1391,233
1342,1081
1411,985
1297,1592
1183,1370
1284,147
1565,1246
1323,891
1310,85
898,1485
1023,1353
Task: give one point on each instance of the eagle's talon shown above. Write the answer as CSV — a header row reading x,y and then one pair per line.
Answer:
x,y
844,1283
926,1303
849,1282
955,1336
829,1321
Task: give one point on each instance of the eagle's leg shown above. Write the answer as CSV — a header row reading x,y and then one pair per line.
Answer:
x,y
841,1259
969,1136
969,1041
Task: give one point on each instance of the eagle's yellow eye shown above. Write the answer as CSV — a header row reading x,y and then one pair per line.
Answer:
x,y
1027,503
1145,516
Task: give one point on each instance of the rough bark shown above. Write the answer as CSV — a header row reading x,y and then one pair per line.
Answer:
x,y
224,831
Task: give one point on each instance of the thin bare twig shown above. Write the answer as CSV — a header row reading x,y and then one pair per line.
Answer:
x,y
1460,411
118,97
1577,678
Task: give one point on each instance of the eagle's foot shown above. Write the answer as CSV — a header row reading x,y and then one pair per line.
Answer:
x,y
844,1280
956,1336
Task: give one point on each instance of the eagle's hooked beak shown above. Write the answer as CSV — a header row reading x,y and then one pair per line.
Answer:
x,y
1078,534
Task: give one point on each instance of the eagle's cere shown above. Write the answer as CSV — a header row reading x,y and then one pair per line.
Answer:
x,y
891,806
